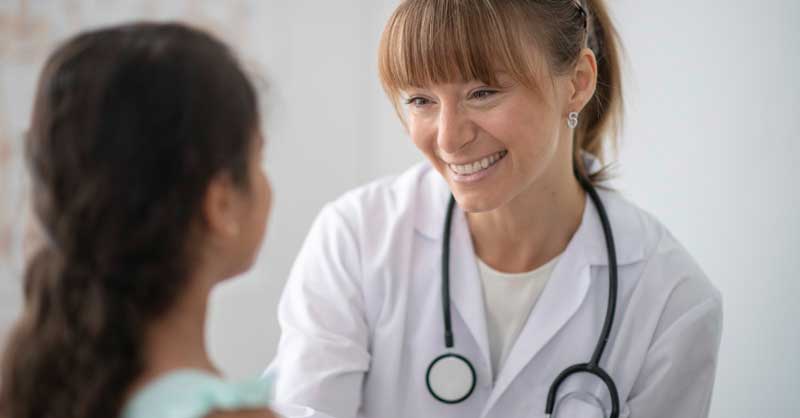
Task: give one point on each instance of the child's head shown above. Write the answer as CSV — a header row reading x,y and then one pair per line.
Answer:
x,y
144,150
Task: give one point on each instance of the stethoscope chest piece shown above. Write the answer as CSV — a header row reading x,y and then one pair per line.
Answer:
x,y
450,378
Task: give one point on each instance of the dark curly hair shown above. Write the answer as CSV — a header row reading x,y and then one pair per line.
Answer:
x,y
129,126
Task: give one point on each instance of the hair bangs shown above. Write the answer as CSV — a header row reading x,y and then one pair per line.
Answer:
x,y
427,43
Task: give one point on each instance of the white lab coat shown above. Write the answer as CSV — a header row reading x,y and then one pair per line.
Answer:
x,y
361,315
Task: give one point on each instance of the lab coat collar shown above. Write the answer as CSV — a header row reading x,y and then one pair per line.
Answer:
x,y
561,298
466,290
432,195
569,283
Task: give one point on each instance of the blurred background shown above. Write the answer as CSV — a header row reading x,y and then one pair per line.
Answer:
x,y
710,147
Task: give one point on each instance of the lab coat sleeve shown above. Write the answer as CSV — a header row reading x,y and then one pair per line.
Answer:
x,y
322,355
678,374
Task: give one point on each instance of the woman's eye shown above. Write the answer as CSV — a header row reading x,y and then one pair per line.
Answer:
x,y
417,101
482,94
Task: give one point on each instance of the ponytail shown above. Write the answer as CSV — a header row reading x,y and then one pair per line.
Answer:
x,y
74,344
602,116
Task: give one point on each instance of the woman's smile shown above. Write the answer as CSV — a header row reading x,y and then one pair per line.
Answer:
x,y
472,171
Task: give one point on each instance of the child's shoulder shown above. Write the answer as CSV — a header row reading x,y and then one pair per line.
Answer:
x,y
196,394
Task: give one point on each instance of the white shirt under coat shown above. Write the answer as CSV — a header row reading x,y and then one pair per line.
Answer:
x,y
361,314
508,299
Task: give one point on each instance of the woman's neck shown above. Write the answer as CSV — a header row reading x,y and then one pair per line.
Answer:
x,y
530,230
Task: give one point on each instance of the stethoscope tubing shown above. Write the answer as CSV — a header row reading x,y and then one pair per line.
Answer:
x,y
593,366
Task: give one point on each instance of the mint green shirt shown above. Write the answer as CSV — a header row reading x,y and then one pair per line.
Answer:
x,y
195,394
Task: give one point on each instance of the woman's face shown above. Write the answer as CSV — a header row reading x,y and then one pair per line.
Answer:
x,y
491,143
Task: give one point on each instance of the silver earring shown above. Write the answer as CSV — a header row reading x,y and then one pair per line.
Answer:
x,y
572,120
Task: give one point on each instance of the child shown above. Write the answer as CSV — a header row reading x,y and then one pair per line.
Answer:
x,y
145,153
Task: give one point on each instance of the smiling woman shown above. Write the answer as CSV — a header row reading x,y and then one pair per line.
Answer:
x,y
530,44
500,242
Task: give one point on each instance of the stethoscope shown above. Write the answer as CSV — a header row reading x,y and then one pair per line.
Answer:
x,y
451,377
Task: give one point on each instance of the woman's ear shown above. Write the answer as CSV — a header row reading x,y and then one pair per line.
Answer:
x,y
222,207
583,80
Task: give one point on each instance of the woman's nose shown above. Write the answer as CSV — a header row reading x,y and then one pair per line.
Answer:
x,y
453,130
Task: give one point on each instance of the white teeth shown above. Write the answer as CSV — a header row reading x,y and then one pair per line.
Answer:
x,y
482,164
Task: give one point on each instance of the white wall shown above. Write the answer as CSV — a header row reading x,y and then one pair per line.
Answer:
x,y
710,147
325,134
712,150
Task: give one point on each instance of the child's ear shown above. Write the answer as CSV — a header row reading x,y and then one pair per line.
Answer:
x,y
221,207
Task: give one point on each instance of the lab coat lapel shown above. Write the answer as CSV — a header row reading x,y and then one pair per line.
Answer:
x,y
466,292
465,286
562,296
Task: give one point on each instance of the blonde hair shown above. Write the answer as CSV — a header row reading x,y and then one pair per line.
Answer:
x,y
438,41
